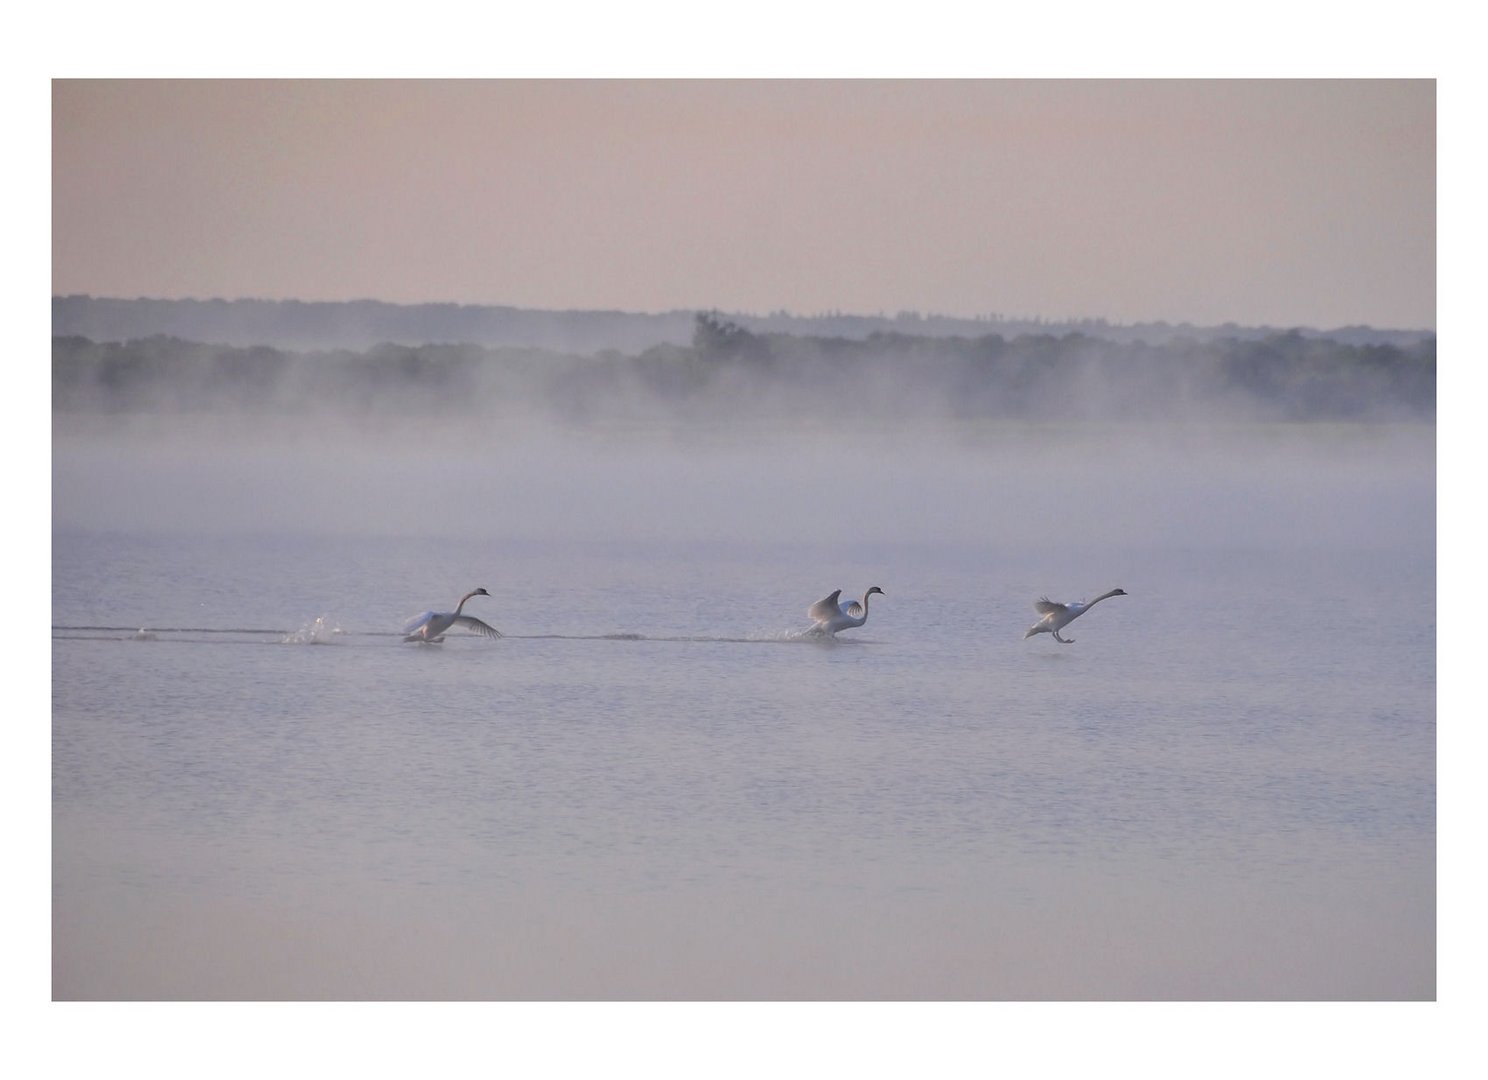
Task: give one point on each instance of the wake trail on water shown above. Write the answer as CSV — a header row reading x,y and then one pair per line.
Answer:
x,y
319,631
325,631
778,637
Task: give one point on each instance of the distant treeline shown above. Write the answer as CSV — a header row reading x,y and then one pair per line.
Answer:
x,y
362,324
727,369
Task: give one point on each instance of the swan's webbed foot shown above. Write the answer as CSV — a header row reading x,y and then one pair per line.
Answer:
x,y
1063,640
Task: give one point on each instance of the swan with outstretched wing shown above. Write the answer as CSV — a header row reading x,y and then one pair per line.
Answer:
x,y
1057,616
831,616
431,626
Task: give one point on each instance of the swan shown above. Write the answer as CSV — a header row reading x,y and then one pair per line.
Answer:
x,y
831,616
1057,616
431,625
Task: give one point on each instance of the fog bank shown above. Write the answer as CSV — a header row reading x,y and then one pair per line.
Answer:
x,y
729,373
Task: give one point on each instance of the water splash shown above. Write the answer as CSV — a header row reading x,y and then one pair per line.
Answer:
x,y
319,632
809,634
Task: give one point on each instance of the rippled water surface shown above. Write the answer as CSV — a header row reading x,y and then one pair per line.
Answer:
x,y
654,787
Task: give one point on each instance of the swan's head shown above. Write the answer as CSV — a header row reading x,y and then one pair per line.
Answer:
x,y
875,589
1118,592
480,592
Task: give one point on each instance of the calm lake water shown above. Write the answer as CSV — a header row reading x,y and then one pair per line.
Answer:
x,y
654,787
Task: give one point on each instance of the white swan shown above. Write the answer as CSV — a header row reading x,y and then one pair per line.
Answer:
x,y
431,625
1057,616
831,616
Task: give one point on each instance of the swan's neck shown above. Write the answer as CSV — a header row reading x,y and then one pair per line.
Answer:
x,y
1102,596
461,605
864,617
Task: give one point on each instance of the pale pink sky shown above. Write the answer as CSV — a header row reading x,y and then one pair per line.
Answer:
x,y
1258,202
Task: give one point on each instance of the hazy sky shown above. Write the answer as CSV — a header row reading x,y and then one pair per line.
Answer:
x,y
1259,202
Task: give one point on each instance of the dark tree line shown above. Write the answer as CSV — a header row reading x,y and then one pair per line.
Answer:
x,y
361,324
728,369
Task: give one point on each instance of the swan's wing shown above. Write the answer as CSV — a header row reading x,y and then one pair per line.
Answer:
x,y
825,608
1044,606
417,621
854,609
470,622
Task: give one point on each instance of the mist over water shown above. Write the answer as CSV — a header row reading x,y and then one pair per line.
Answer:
x,y
654,787
1002,483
